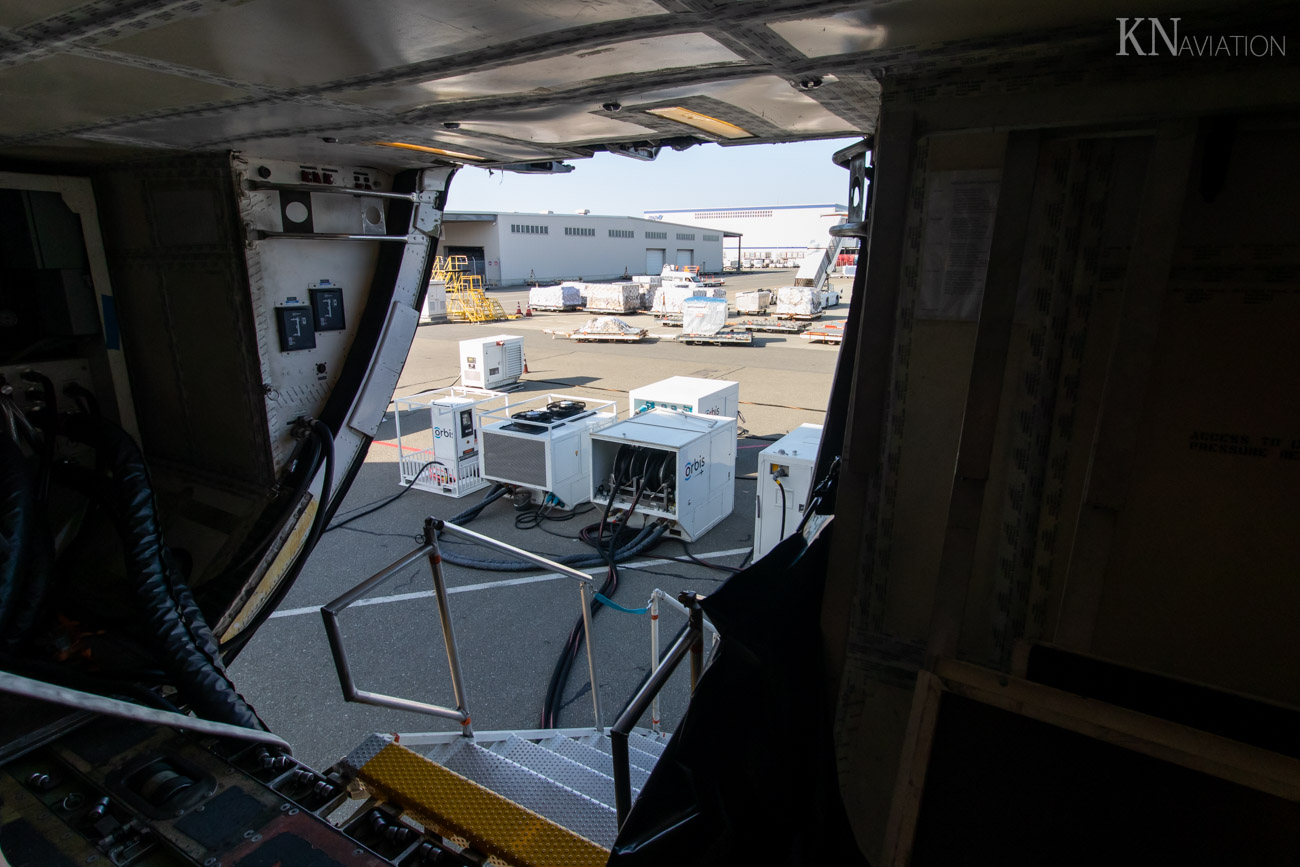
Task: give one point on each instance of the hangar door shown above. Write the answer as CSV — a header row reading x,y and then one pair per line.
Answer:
x,y
477,261
654,261
685,258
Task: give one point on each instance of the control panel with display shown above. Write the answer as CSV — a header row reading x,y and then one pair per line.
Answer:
x,y
295,327
327,306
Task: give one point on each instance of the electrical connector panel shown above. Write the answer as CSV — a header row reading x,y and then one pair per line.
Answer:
x,y
670,465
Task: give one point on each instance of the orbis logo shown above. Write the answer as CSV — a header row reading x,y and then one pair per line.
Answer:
x,y
441,433
694,468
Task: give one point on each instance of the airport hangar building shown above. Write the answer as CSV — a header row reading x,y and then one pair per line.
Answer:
x,y
511,248
772,234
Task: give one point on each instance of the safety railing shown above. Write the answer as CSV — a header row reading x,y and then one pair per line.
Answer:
x,y
658,598
689,641
429,550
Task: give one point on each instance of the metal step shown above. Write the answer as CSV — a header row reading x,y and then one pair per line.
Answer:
x,y
593,758
638,757
645,744
562,805
564,771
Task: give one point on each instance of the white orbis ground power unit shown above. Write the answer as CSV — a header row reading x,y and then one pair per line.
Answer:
x,y
443,458
687,394
778,509
682,466
492,362
543,445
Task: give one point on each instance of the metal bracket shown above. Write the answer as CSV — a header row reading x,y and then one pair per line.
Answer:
x,y
854,158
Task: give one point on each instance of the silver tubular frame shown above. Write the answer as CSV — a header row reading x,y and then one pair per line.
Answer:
x,y
429,549
330,615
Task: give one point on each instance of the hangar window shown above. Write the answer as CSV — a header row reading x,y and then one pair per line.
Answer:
x,y
686,236
525,229
622,233
657,236
712,238
577,230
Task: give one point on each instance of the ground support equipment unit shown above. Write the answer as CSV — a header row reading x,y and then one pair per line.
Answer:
x,y
543,445
666,465
779,508
775,326
691,394
443,459
492,362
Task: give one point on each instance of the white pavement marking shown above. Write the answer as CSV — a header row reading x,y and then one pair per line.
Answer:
x,y
507,582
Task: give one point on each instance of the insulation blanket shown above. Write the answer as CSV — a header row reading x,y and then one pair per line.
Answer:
x,y
753,302
608,325
615,297
798,300
704,315
567,295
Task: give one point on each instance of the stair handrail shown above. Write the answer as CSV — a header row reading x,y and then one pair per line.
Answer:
x,y
429,549
690,639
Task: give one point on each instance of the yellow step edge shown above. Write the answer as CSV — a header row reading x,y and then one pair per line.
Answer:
x,y
458,807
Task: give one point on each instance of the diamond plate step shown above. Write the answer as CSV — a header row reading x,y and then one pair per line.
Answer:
x,y
646,745
564,771
560,804
593,758
638,757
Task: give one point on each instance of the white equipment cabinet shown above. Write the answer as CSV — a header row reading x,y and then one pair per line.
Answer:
x,y
492,362
793,459
543,445
687,394
444,458
684,466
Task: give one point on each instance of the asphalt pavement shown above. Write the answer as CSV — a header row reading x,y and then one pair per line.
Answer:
x,y
511,626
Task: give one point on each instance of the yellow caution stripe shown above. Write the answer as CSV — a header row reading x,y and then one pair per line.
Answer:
x,y
457,807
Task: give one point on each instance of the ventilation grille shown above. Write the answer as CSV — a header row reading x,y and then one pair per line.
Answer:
x,y
514,459
514,358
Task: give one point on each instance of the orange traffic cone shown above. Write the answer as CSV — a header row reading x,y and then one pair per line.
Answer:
x,y
525,364
528,311
518,310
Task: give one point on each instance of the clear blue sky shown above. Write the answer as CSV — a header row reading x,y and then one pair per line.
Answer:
x,y
706,176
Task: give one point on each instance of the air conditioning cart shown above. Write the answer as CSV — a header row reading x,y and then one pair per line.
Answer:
x,y
543,445
492,362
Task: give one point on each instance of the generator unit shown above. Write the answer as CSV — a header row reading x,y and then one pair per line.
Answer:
x,y
667,464
779,508
687,394
492,362
543,445
443,458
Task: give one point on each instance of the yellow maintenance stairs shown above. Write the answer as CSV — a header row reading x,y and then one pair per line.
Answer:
x,y
466,300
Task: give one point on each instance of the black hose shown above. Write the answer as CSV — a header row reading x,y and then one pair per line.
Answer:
x,y
18,528
180,637
51,425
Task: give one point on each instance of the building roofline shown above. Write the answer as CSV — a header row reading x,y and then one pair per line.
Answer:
x,y
482,216
740,208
